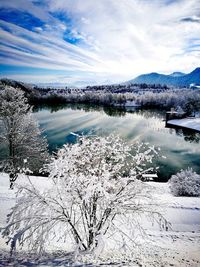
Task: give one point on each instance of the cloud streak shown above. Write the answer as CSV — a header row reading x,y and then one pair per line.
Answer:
x,y
103,40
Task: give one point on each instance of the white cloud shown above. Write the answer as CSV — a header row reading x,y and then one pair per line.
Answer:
x,y
134,36
120,39
41,50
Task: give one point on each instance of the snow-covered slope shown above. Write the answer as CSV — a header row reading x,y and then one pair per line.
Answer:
x,y
179,246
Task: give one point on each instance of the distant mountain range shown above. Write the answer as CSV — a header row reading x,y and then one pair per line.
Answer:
x,y
177,79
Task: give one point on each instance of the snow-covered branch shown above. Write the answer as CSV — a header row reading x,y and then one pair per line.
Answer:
x,y
92,185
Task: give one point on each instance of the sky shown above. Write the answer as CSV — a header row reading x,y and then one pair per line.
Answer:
x,y
83,42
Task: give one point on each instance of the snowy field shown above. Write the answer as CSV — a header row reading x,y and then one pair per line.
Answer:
x,y
179,246
193,123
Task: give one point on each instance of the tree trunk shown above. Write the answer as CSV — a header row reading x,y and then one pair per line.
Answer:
x,y
91,238
13,178
13,174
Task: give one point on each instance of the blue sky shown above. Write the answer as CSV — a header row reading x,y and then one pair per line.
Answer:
x,y
97,41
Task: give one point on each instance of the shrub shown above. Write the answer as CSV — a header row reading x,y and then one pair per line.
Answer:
x,y
185,183
92,190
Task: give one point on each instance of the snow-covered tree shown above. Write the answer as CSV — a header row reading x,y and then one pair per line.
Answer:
x,y
92,186
185,183
20,135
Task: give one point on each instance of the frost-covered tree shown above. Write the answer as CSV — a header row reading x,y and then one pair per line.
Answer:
x,y
20,135
92,187
185,183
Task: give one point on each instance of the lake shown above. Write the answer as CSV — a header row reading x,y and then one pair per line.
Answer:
x,y
181,149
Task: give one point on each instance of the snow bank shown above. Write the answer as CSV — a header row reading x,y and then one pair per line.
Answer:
x,y
190,123
182,212
8,197
178,246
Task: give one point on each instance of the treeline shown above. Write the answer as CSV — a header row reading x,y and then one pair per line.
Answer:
x,y
127,88
97,98
144,95
188,100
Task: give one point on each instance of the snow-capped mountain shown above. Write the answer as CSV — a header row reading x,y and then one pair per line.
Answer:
x,y
178,79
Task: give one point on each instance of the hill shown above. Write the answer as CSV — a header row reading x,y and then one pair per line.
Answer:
x,y
177,79
27,88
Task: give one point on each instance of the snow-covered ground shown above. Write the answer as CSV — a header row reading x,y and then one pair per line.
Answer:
x,y
190,123
179,246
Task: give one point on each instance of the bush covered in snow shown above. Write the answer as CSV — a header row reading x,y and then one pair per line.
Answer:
x,y
185,183
92,191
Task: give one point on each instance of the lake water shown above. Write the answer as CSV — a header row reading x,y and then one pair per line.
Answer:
x,y
181,150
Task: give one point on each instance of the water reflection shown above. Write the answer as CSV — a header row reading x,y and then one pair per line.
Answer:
x,y
179,146
110,111
188,135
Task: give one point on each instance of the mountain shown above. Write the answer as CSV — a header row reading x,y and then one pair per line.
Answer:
x,y
177,74
51,85
177,79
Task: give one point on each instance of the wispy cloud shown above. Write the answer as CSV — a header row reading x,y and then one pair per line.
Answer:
x,y
101,40
194,19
